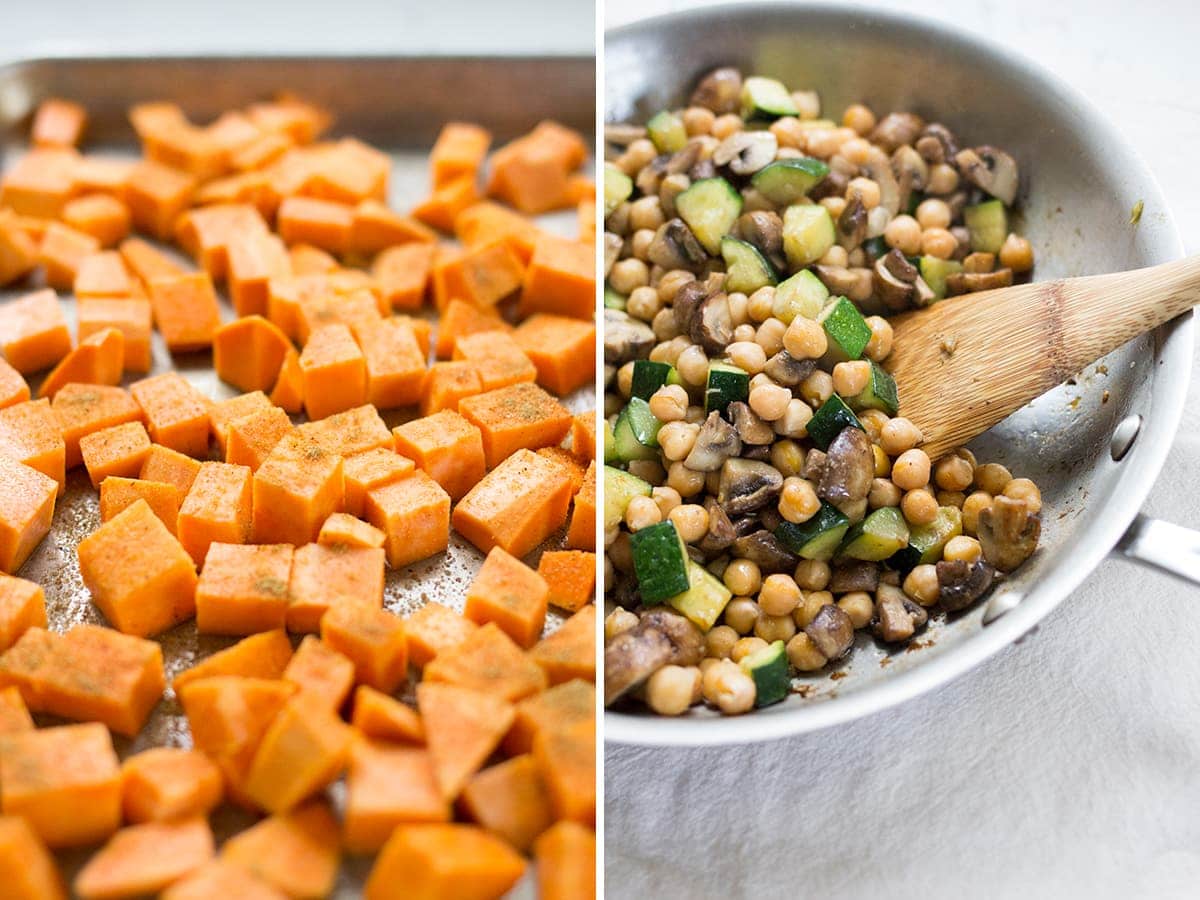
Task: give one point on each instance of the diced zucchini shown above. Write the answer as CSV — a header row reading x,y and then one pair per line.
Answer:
x,y
726,384
613,300
710,207
648,377
765,99
618,187
880,393
746,269
878,536
807,234
988,224
625,439
935,270
704,600
610,444
819,537
829,420
785,181
643,422
926,542
667,132
619,488
801,295
659,562
846,329
769,669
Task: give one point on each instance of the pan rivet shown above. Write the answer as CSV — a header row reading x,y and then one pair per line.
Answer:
x,y
1124,436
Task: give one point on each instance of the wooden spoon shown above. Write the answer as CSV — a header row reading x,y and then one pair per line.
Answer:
x,y
967,362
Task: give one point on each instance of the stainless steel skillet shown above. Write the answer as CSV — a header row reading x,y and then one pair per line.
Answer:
x,y
1094,446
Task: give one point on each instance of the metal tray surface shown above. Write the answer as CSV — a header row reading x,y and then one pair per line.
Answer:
x,y
396,104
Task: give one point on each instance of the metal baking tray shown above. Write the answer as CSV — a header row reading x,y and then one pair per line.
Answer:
x,y
396,104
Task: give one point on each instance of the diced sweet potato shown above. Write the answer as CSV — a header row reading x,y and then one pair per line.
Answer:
x,y
131,316
515,417
118,494
585,211
558,707
441,208
120,450
26,510
103,175
422,329
103,274
403,273
571,575
206,233
40,183
566,461
22,606
145,859
223,413
157,195
509,800
566,758
445,446
250,439
249,352
368,470
295,490
220,880
147,262
325,577
33,332
65,782
14,714
428,862
459,150
60,253
334,372
18,250
176,412
217,508
516,506
254,259
487,661
373,639
434,628
103,216
446,383
138,573
186,311
532,173
343,529
461,318
30,434
510,594
562,349
322,223
164,784
482,277
264,655
309,260
171,467
583,436
561,279
484,223
58,123
376,715
321,671
395,363
571,651
566,862
27,870
99,359
414,513
243,589
497,358
297,852
357,309
13,387
288,114
376,228
82,409
387,786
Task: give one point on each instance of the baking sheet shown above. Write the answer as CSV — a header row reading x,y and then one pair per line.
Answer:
x,y
397,105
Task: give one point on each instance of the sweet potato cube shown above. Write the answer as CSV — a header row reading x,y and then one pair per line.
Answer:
x,y
26,510
497,358
206,233
562,349
414,513
334,372
61,253
445,446
249,352
585,211
243,588
164,784
485,223
295,490
348,433
376,228
176,412
18,250
129,315
322,223
250,439
422,330
170,467
157,196
58,123
434,628
22,606
103,175
145,859
373,639
325,577
306,259
349,172
395,363
516,506
462,728
147,262
217,880
254,259
487,662
583,436
321,672
264,655
403,273
103,274
120,450
99,359
566,862
510,594
82,409
118,494
376,715
459,150
223,413
358,310
532,173
33,332
186,311
13,387
102,216
566,758
482,277
303,750
571,576
387,786
27,870
509,800
29,434
65,782
561,279
571,651
368,470
217,508
343,529
459,319
14,714
444,860
562,705
447,383
297,852
441,208
515,417
41,182
138,573
566,461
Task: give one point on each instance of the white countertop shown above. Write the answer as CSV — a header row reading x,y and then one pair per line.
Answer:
x,y
1064,767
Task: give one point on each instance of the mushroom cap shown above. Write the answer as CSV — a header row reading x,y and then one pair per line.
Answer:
x,y
720,90
1008,532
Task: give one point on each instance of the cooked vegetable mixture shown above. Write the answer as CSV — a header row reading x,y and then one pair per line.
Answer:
x,y
764,497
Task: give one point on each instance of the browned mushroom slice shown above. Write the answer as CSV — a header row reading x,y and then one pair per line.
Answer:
x,y
763,229
814,465
849,468
785,369
712,325
852,223
896,129
745,152
720,532
896,616
937,144
681,161
661,638
716,442
625,338
856,575
675,247
764,550
1008,533
831,631
972,282
612,250
687,304
840,280
894,292
623,134
961,583
912,172
750,428
879,168
747,485
720,90
990,169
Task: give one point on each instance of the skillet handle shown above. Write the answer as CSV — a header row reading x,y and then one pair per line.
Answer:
x,y
1160,545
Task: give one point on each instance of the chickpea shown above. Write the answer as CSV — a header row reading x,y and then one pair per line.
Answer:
x,y
883,493
971,508
676,439
747,355
812,574
627,274
851,378
810,605
962,547
719,642
933,213
740,614
805,339
859,117
903,233
919,507
803,654
921,584
835,256
951,498
770,401
911,470
938,242
993,478
744,332
798,501
823,142
788,457
943,179
669,403
880,345
642,512
691,521
692,366
636,156
953,473
625,379
789,133
728,688
747,645
817,388
687,481
794,421
1024,489
866,189
760,303
808,103
742,576
899,435
1016,253
669,285
643,304
774,628
664,326
872,421
669,690
698,120
770,336
618,621
639,246
724,126
835,205
779,595
621,553
979,262
859,606
667,499
670,351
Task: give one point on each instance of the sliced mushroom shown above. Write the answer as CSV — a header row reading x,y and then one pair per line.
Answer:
x,y
750,427
897,263
856,575
990,169
686,305
1008,532
745,152
852,223
896,129
961,583
971,282
651,175
764,549
786,370
661,638
840,280
896,616
720,90
612,250
623,134
716,442
923,294
763,229
849,467
747,485
832,185
704,168
895,294
745,526
937,144
675,247
761,452
681,161
831,631
814,465
712,326
879,167
912,172
625,338
720,529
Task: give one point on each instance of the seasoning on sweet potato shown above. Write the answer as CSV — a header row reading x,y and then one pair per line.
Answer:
x,y
498,359
446,383
422,330
324,577
138,573
376,228
403,273
220,880
520,416
145,859
26,510
157,195
509,800
441,207
130,316
558,707
288,393
394,361
414,513
64,781
103,216
27,870
297,852
216,509
29,434
99,359
243,589
459,151
250,439
18,249
80,409
163,784
120,450
566,862
254,259
334,372
482,277
388,786
583,436
562,349
487,661
459,319
571,575
510,594
566,461
147,262
40,183
118,494
370,469
103,274
295,490
376,715
22,606
462,728
58,123
323,223
33,332
206,232
13,387
249,352
170,466
371,638
321,671
571,651
434,628
264,655
566,758
428,862
445,446
223,413
14,714
344,530
185,311
358,310
560,279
